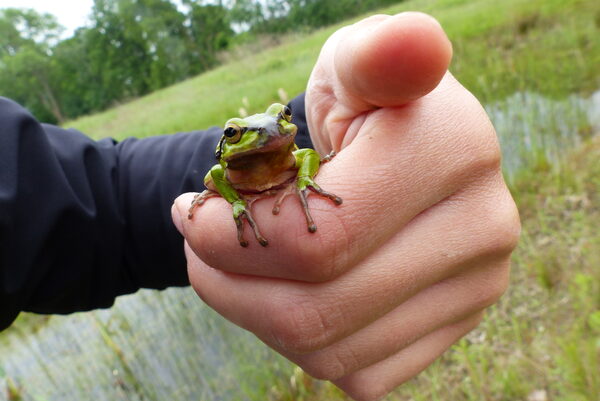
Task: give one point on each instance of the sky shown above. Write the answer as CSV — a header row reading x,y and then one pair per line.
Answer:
x,y
70,13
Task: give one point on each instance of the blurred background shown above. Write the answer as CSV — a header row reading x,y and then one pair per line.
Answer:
x,y
124,68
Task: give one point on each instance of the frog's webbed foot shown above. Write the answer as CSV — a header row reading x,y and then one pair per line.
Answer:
x,y
199,200
240,228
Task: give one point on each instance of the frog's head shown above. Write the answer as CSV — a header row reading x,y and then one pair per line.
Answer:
x,y
265,132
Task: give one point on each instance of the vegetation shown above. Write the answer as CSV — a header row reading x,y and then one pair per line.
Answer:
x,y
543,338
479,30
532,62
134,47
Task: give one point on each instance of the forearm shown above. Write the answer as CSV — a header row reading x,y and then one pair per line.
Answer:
x,y
82,222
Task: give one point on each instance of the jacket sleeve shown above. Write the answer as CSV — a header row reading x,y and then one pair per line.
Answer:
x,y
84,221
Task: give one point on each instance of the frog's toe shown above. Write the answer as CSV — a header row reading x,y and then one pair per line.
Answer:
x,y
191,211
283,193
199,200
328,157
240,231
310,223
336,199
261,240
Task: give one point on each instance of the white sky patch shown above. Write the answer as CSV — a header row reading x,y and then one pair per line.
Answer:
x,y
71,14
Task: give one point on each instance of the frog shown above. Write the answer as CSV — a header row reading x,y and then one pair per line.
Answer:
x,y
257,157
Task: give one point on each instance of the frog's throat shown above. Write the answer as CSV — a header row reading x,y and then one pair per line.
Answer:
x,y
275,144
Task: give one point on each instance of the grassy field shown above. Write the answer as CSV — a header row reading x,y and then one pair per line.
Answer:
x,y
533,64
547,46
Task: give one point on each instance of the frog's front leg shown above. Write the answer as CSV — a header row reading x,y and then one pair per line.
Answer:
x,y
307,163
238,203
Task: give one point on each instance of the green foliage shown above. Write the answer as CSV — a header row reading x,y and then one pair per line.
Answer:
x,y
210,33
26,77
133,47
257,73
318,13
26,28
277,16
518,44
26,40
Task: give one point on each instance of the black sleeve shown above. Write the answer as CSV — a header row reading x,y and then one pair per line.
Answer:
x,y
82,222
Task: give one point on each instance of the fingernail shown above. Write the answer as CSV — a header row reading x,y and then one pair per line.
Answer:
x,y
176,216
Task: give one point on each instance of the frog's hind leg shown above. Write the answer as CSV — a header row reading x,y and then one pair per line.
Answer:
x,y
199,200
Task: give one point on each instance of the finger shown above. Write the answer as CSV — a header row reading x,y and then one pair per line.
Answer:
x,y
380,61
445,303
400,164
374,382
302,317
391,61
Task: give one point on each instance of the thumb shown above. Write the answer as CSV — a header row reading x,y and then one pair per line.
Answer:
x,y
391,60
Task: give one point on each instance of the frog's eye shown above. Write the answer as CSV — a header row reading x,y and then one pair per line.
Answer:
x,y
286,114
233,133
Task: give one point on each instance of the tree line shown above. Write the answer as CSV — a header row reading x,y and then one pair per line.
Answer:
x,y
132,47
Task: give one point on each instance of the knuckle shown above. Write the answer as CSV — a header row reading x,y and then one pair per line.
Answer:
x,y
493,286
320,258
475,142
331,364
311,265
483,154
367,390
324,368
299,326
502,225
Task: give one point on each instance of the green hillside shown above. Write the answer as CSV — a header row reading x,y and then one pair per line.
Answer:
x,y
500,47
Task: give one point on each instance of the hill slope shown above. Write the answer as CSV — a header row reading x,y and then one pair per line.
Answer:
x,y
500,47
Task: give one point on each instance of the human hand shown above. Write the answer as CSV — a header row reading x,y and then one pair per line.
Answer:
x,y
419,248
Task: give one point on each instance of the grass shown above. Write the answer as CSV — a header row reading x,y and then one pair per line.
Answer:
x,y
501,47
544,334
540,342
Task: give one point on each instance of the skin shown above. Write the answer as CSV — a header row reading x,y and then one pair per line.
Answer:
x,y
420,247
258,158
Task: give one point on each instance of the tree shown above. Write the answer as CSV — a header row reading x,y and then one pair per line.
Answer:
x,y
26,40
210,32
26,28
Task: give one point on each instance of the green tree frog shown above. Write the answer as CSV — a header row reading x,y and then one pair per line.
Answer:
x,y
257,157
